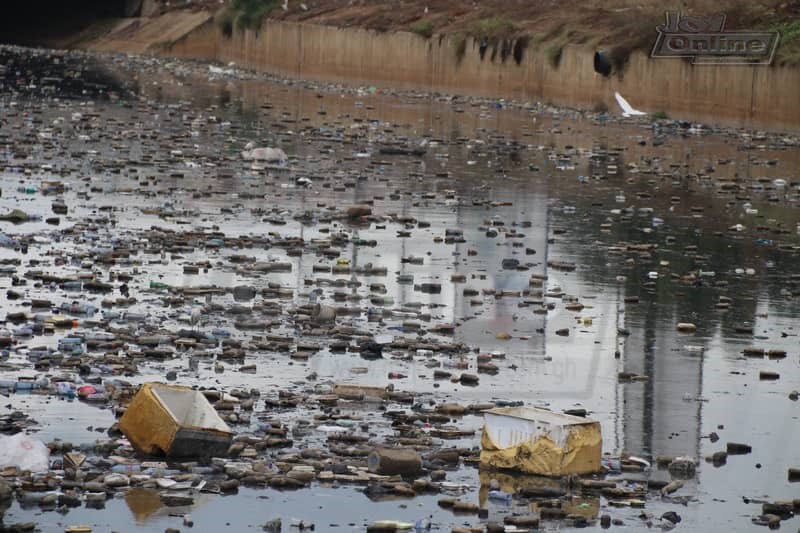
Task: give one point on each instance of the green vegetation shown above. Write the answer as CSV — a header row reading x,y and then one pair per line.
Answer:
x,y
553,53
659,115
788,52
790,31
252,12
556,38
423,28
493,29
244,14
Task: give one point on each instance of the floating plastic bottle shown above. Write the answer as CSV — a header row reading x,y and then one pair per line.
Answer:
x,y
76,308
218,333
500,496
6,241
65,388
126,469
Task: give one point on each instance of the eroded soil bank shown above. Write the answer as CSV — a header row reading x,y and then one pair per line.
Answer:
x,y
738,95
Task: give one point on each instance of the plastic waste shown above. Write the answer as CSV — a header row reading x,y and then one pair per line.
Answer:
x,y
18,216
24,331
71,345
130,316
75,285
126,469
65,388
391,525
500,496
86,390
272,155
176,420
25,385
76,308
24,453
6,241
111,315
423,524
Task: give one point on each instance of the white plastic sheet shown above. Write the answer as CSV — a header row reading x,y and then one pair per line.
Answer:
x,y
24,452
271,155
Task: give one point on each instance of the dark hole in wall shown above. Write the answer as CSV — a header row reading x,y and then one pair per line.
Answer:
x,y
225,23
602,63
505,50
461,48
482,48
520,45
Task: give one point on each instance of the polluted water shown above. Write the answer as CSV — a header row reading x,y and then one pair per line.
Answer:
x,y
238,302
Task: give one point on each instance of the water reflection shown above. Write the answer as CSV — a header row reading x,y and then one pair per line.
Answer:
x,y
570,189
143,503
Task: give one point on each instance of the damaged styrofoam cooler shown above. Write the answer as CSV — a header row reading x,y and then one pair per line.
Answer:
x,y
174,421
537,441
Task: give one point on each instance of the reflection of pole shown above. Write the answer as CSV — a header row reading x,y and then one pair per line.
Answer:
x,y
353,246
546,260
747,164
302,238
298,97
455,129
354,261
402,291
456,259
619,399
699,396
648,407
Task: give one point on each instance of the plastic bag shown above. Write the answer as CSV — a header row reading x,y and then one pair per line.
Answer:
x,y
23,452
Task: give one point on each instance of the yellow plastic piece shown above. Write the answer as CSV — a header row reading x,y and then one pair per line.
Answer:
x,y
152,427
541,456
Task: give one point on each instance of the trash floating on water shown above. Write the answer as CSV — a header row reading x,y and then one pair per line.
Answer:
x,y
23,453
174,421
269,155
536,441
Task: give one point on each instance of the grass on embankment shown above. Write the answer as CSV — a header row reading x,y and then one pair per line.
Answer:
x,y
244,14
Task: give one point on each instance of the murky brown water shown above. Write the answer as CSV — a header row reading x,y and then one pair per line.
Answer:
x,y
162,151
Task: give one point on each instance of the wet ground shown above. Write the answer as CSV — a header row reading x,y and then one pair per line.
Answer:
x,y
646,225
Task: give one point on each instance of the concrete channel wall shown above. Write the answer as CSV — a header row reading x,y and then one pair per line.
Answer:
x,y
735,95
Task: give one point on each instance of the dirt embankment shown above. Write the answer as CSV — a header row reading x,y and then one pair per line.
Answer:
x,y
621,26
533,51
618,26
148,34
